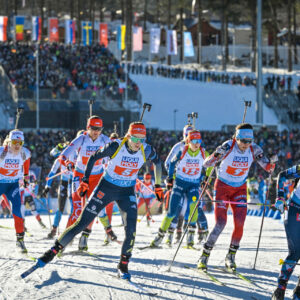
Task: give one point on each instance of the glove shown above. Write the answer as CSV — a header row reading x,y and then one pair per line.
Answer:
x,y
169,183
273,158
159,193
45,192
69,164
270,168
280,204
82,189
219,151
26,180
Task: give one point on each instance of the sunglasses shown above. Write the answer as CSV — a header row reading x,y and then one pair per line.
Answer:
x,y
17,142
135,139
196,141
96,128
244,141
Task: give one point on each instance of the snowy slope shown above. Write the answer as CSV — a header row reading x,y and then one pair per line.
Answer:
x,y
217,104
86,277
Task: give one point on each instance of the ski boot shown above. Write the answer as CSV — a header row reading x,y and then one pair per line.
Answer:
x,y
230,258
50,254
296,291
110,234
158,239
20,243
82,246
278,294
202,263
52,233
202,235
170,237
190,237
178,236
123,267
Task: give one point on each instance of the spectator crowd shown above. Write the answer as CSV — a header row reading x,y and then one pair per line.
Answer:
x,y
64,68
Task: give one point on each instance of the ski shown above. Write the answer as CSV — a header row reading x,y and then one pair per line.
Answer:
x,y
29,271
191,247
235,273
135,285
149,247
6,227
207,275
79,252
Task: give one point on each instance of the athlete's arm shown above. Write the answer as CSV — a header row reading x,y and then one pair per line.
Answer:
x,y
291,173
262,160
151,155
107,151
218,154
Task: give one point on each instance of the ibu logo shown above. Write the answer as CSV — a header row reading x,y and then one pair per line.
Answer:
x,y
129,162
91,150
240,161
11,163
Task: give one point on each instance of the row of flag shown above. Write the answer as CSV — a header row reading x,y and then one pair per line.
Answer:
x,y
53,30
155,34
87,35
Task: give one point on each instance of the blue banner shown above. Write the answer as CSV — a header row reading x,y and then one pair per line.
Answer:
x,y
188,44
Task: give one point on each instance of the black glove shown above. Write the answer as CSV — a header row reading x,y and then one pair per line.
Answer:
x,y
159,193
203,182
45,192
26,180
169,183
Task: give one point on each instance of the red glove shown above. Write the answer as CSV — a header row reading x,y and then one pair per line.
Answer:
x,y
82,189
26,180
159,193
270,167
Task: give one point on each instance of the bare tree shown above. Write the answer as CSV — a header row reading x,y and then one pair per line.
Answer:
x,y
295,32
199,31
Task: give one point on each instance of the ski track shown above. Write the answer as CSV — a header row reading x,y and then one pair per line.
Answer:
x,y
89,278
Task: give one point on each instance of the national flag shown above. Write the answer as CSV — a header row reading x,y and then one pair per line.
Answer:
x,y
103,34
70,31
86,33
171,42
137,36
121,32
53,30
19,27
154,40
36,28
3,29
188,44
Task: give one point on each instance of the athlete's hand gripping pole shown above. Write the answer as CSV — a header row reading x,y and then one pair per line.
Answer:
x,y
191,217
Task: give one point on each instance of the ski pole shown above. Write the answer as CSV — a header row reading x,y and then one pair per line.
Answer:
x,y
20,110
262,221
147,210
60,173
147,187
190,219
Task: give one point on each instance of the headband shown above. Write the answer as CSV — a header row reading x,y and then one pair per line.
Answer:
x,y
244,134
137,129
97,122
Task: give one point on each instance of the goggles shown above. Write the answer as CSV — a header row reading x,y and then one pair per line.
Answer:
x,y
196,141
246,141
135,139
95,128
17,142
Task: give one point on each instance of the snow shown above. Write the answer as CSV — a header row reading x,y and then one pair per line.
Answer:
x,y
217,104
85,277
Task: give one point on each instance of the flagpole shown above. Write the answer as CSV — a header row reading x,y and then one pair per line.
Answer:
x,y
37,89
